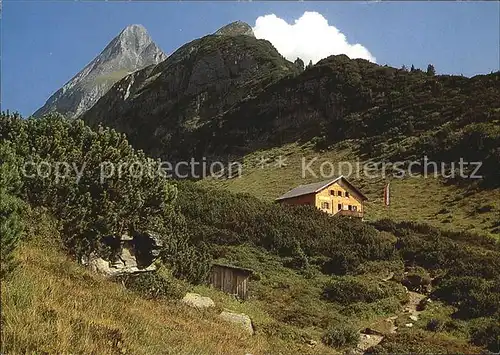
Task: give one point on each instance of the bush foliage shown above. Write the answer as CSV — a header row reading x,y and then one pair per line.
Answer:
x,y
11,208
341,336
350,290
486,332
153,285
301,232
420,342
90,201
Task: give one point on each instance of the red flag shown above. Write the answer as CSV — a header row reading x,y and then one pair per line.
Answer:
x,y
386,194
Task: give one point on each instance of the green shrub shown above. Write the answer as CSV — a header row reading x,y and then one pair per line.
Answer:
x,y
473,296
455,325
11,208
348,290
94,205
342,335
299,259
486,332
187,262
342,261
383,268
301,233
420,342
91,205
434,324
283,331
382,307
468,265
154,285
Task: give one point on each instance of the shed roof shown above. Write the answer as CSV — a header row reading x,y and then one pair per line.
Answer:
x,y
316,187
233,267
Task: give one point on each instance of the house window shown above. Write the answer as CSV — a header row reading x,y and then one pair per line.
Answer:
x,y
332,192
346,194
339,193
325,205
354,208
339,206
349,208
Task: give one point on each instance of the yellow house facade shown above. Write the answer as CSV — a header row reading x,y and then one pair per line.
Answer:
x,y
335,196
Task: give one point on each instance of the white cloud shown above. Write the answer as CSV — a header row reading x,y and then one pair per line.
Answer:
x,y
309,38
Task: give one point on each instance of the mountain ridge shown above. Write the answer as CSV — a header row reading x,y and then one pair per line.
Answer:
x,y
204,78
393,113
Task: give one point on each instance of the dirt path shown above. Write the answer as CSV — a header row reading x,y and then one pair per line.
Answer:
x,y
371,337
414,299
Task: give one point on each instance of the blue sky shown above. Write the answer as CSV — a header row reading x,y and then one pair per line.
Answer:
x,y
45,43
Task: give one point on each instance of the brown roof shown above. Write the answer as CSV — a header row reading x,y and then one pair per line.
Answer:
x,y
316,187
233,267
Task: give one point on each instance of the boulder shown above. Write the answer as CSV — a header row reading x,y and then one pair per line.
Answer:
x,y
238,318
197,301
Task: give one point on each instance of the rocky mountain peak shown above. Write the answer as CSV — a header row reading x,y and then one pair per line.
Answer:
x,y
134,35
132,49
135,29
236,28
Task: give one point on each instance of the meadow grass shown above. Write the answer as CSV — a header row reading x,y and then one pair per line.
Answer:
x,y
53,305
426,200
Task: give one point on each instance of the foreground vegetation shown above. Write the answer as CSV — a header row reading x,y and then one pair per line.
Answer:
x,y
52,305
318,280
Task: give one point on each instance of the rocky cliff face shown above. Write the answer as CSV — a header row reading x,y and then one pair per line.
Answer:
x,y
131,50
195,86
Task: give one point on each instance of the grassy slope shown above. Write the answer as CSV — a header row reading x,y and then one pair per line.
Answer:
x,y
53,305
427,200
111,77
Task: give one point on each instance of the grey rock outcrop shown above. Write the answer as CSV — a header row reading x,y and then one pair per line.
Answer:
x,y
240,319
131,50
126,264
131,255
237,28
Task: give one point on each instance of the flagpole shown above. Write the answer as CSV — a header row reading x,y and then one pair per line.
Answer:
x,y
387,195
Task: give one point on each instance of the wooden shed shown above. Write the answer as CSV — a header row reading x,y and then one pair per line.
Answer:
x,y
230,279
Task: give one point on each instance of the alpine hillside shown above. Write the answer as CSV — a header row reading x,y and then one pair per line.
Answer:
x,y
232,96
131,50
108,250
